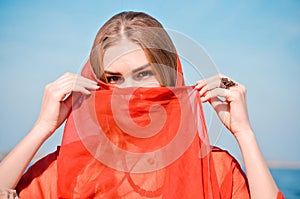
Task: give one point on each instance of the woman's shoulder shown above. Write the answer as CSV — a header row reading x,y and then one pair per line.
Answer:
x,y
39,177
225,163
219,154
231,178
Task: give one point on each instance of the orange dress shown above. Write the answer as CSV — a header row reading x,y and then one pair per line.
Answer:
x,y
40,181
136,143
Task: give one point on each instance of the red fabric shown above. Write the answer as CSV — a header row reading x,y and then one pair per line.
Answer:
x,y
40,181
90,162
104,153
95,130
82,172
78,170
280,195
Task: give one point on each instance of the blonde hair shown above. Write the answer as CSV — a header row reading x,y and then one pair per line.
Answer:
x,y
141,29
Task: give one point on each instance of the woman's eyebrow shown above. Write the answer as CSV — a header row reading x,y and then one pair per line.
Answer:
x,y
140,68
133,71
112,73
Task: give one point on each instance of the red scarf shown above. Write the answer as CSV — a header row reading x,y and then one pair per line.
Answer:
x,y
136,142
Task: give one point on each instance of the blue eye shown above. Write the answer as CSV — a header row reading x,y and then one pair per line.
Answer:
x,y
143,75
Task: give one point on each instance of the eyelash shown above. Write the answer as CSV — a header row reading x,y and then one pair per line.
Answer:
x,y
114,79
138,77
143,74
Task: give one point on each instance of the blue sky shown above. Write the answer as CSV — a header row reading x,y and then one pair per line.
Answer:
x,y
256,43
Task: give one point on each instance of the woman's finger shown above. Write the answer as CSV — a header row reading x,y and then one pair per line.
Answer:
x,y
73,78
209,83
61,91
222,109
66,106
81,89
76,79
71,99
68,83
217,92
217,102
87,80
231,94
86,83
201,83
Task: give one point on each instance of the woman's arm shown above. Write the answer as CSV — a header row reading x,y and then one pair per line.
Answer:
x,y
234,114
260,180
55,109
15,163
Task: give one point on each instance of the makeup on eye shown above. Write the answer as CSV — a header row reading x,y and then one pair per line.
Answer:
x,y
138,74
113,79
143,75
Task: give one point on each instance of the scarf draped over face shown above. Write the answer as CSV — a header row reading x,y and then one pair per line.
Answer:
x,y
136,143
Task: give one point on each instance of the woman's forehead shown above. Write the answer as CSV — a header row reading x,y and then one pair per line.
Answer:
x,y
124,57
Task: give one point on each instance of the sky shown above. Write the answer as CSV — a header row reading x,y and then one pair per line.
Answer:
x,y
256,43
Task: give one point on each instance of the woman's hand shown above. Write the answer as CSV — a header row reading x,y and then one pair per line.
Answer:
x,y
233,110
55,108
233,113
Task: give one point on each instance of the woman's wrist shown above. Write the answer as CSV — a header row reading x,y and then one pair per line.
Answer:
x,y
41,132
245,135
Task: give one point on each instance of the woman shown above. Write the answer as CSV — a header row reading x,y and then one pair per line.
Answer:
x,y
133,50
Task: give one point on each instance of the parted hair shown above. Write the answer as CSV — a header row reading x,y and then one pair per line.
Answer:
x,y
143,30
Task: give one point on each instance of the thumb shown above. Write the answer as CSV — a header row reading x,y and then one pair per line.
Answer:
x,y
66,106
71,99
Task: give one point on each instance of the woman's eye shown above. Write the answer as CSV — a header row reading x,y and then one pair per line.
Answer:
x,y
114,79
143,75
